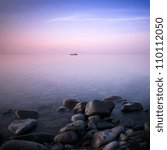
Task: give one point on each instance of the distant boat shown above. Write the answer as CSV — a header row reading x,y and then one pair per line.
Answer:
x,y
73,54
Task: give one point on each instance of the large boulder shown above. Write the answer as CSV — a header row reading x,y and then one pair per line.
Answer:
x,y
97,107
78,126
80,107
22,145
25,114
112,99
77,117
35,137
131,106
70,103
104,137
68,137
22,126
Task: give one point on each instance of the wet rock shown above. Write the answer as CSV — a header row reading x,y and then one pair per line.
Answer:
x,y
70,103
112,99
22,126
97,107
22,145
25,114
129,132
62,109
123,137
111,146
78,126
95,118
35,137
57,146
104,137
80,107
78,117
104,125
68,137
131,106
92,125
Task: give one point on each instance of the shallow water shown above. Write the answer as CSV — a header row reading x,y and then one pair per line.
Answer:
x,y
42,79
41,82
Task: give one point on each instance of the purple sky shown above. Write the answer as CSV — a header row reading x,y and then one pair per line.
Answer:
x,y
65,26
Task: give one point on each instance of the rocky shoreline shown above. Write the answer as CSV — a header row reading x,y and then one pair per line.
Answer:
x,y
92,127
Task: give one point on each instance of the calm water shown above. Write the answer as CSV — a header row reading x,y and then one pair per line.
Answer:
x,y
44,79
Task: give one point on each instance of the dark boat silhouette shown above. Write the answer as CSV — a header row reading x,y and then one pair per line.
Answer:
x,y
74,54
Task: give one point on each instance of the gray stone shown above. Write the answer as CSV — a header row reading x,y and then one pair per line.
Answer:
x,y
70,103
95,118
22,126
111,146
78,117
131,106
68,137
22,145
75,126
92,125
97,107
112,99
25,114
62,109
104,137
35,137
123,137
104,125
80,107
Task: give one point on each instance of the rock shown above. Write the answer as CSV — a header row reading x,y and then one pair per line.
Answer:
x,y
22,126
68,137
104,125
122,143
115,121
62,109
22,145
25,114
70,103
108,119
35,137
131,106
68,146
111,146
95,118
97,107
80,107
104,137
112,99
123,137
78,117
78,126
90,133
129,132
57,146
92,125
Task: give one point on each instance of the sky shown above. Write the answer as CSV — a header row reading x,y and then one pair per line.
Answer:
x,y
67,26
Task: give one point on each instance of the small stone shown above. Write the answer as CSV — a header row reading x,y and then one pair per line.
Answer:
x,y
129,132
92,125
97,107
104,137
22,145
62,109
68,137
22,126
25,114
131,106
80,107
78,117
123,137
94,118
70,103
111,146
35,137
